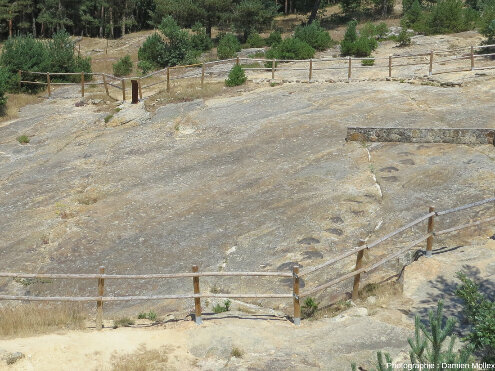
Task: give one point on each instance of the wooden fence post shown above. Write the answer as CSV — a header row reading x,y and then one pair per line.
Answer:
x,y
48,84
357,277
273,69
472,58
134,91
310,69
105,83
295,293
197,301
429,241
79,50
430,70
123,90
349,72
389,66
82,84
99,303
202,75
168,78
140,90
19,74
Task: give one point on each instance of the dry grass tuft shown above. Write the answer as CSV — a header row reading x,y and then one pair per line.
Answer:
x,y
15,102
30,319
141,360
185,91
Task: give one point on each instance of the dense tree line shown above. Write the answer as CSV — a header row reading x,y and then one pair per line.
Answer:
x,y
114,18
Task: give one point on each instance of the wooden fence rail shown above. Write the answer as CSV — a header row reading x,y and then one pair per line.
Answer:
x,y
273,65
101,276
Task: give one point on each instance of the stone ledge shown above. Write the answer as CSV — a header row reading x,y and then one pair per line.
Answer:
x,y
425,135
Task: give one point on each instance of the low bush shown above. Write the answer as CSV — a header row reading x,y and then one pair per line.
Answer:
x,y
222,308
236,76
150,315
309,308
359,46
433,343
480,312
152,51
228,46
404,39
82,64
200,40
23,139
123,67
445,16
378,31
291,48
254,40
28,54
368,62
145,67
314,35
274,38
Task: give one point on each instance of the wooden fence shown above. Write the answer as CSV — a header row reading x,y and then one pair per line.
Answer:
x,y
296,275
343,68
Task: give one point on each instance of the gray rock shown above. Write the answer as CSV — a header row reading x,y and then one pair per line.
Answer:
x,y
12,358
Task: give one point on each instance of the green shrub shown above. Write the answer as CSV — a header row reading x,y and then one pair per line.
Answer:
x,y
368,30
153,51
23,139
228,46
108,118
200,40
150,315
291,48
145,67
368,62
236,76
179,49
432,343
123,67
27,54
314,35
222,308
446,16
404,39
254,40
350,37
309,307
274,38
480,312
82,64
361,46
60,51
412,16
4,76
381,30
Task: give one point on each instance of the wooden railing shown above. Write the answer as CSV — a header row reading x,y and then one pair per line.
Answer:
x,y
296,275
343,64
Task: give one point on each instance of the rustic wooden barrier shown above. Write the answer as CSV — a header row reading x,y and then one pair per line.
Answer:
x,y
274,67
296,275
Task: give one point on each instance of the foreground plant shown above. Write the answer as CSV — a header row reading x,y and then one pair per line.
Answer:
x,y
429,345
